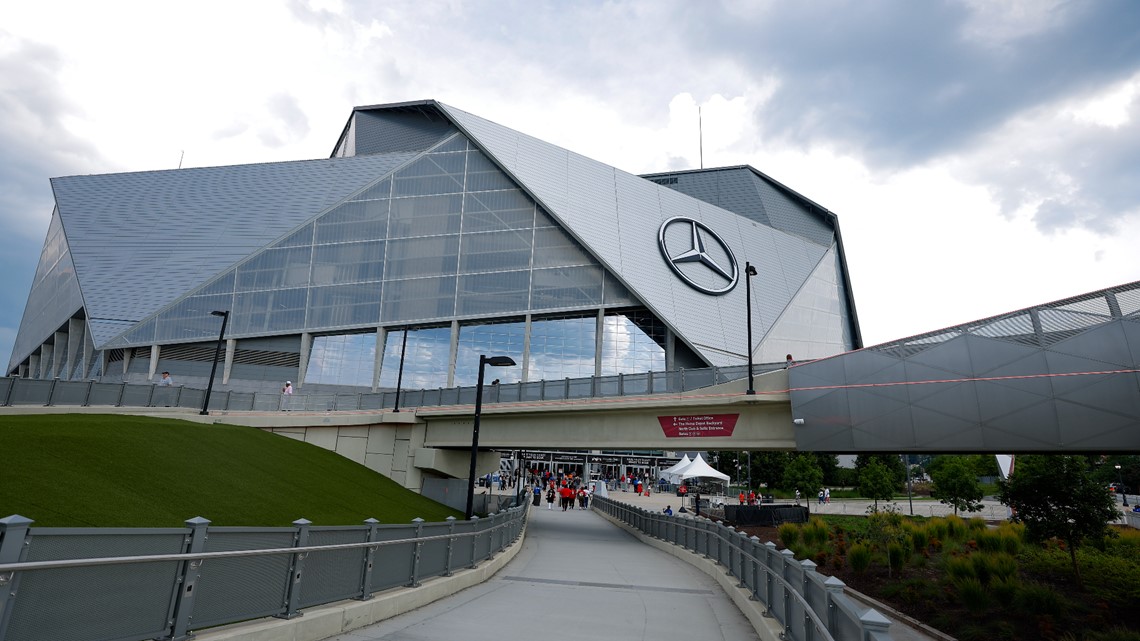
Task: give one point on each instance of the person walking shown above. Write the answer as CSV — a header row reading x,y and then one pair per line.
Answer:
x,y
286,395
537,493
550,497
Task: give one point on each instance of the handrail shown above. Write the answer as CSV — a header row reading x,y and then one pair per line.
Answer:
x,y
205,556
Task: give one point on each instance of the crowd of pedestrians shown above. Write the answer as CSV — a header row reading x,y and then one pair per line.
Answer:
x,y
570,490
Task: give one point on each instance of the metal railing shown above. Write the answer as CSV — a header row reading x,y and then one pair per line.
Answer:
x,y
128,584
32,391
809,606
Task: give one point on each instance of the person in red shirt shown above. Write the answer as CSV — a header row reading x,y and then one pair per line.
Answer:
x,y
751,497
742,497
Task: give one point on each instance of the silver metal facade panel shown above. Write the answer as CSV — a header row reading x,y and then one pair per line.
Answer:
x,y
719,330
383,132
141,240
54,297
815,323
732,189
790,216
995,385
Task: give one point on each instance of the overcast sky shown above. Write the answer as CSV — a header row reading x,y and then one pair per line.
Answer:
x,y
981,156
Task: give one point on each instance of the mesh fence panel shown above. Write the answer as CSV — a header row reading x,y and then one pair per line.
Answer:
x,y
433,554
392,564
242,587
335,574
69,393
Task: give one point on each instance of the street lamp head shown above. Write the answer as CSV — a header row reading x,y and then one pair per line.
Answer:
x,y
1118,467
216,312
499,361
750,269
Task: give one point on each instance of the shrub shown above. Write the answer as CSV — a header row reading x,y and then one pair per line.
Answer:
x,y
959,568
973,594
989,540
976,524
981,564
955,528
1033,599
860,557
1002,565
937,529
920,539
1004,590
789,534
815,532
896,556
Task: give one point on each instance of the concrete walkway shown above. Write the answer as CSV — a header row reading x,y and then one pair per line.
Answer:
x,y
582,577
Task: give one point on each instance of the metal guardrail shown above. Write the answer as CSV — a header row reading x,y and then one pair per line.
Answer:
x,y
32,391
809,606
131,584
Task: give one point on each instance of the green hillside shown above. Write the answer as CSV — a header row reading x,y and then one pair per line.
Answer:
x,y
131,471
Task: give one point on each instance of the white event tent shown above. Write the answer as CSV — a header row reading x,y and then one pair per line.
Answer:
x,y
673,474
699,468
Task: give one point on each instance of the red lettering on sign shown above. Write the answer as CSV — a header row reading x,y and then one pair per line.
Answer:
x,y
699,425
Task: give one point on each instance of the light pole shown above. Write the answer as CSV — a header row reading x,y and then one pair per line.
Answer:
x,y
494,361
225,314
1120,479
749,272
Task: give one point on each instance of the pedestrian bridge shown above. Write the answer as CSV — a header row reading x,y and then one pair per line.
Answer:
x,y
1058,377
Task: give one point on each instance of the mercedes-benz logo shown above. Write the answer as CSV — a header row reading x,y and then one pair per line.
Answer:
x,y
708,267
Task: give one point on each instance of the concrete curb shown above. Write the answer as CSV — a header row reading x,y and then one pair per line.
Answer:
x,y
767,629
330,620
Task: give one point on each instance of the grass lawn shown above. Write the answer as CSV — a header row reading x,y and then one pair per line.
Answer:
x,y
132,471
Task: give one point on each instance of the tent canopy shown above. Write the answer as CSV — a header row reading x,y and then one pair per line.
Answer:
x,y
673,473
699,468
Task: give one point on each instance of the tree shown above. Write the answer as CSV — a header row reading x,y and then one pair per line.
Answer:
x,y
876,482
768,467
892,462
804,474
1057,497
957,485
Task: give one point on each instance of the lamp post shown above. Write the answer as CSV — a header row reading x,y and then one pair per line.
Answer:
x,y
1120,479
494,361
225,314
749,272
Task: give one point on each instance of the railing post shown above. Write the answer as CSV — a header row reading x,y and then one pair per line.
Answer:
x,y
876,627
769,572
296,570
834,588
13,542
741,544
150,395
87,394
621,384
369,560
122,390
416,557
474,541
229,393
182,608
789,557
755,568
450,544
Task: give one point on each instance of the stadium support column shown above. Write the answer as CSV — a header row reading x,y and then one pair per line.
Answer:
x,y
378,359
231,348
155,350
303,358
599,341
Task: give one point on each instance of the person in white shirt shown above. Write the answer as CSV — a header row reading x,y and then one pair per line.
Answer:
x,y
166,381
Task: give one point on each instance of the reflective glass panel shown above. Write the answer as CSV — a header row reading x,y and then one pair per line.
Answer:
x,y
566,287
272,311
426,359
491,339
483,175
288,267
494,251
425,216
344,359
632,342
457,142
303,236
348,263
190,320
418,299
428,256
382,189
555,248
496,210
223,285
495,293
353,221
432,174
562,348
344,305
